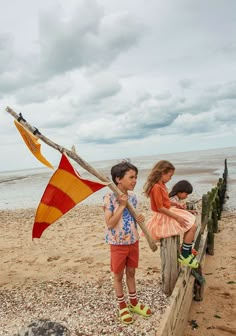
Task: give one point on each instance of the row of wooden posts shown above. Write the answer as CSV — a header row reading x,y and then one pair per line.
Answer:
x,y
212,206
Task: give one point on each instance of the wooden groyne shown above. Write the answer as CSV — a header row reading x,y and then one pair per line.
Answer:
x,y
212,206
189,283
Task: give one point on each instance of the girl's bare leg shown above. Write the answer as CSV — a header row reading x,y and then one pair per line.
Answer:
x,y
189,235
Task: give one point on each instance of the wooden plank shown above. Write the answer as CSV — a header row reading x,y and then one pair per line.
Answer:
x,y
175,317
169,263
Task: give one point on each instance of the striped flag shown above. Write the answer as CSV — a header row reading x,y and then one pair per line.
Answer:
x,y
32,143
65,189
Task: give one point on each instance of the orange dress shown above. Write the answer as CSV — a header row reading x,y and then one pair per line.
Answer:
x,y
160,225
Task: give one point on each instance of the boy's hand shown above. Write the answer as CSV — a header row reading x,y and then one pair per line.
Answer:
x,y
123,200
140,218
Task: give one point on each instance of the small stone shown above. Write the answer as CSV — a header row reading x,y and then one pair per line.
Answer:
x,y
44,327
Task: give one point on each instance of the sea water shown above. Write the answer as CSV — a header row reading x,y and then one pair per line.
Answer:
x,y
24,188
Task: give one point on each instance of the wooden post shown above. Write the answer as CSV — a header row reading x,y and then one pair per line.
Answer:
x,y
72,154
221,194
169,263
218,206
215,217
210,237
225,175
205,211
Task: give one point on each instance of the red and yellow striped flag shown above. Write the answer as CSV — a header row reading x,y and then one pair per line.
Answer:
x,y
32,143
65,189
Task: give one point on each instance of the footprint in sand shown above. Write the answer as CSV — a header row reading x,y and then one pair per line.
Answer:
x,y
53,258
89,260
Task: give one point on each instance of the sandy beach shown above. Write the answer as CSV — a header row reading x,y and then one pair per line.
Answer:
x,y
65,276
215,315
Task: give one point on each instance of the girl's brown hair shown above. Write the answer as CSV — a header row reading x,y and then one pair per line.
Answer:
x,y
155,175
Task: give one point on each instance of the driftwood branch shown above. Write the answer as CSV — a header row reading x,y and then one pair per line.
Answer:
x,y
74,156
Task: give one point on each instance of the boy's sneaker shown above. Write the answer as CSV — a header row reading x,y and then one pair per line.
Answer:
x,y
190,261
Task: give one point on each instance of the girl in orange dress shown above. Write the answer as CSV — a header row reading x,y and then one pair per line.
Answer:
x,y
168,219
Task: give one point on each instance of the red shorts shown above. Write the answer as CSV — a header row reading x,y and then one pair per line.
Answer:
x,y
124,255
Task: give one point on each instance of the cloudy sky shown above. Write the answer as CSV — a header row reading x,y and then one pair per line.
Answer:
x,y
117,78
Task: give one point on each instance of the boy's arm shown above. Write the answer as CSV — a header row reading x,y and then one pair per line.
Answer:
x,y
112,218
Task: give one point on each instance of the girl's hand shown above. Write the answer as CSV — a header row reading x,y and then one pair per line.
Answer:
x,y
181,206
140,218
194,212
181,221
178,205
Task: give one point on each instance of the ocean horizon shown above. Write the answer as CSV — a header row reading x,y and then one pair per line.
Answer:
x,y
24,188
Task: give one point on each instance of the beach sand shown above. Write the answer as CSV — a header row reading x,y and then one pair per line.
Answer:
x,y
65,276
215,315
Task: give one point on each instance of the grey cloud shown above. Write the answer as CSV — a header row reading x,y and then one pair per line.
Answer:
x,y
103,88
227,91
6,53
163,96
87,39
175,116
185,83
79,43
40,93
229,49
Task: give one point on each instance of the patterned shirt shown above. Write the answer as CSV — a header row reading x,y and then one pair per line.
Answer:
x,y
126,231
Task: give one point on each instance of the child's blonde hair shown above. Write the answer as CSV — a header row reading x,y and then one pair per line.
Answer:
x,y
160,167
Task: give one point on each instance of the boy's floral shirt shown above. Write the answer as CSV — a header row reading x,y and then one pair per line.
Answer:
x,y
126,230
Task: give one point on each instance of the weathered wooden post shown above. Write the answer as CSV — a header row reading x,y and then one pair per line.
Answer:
x,y
221,195
210,237
205,212
225,174
215,217
169,263
218,205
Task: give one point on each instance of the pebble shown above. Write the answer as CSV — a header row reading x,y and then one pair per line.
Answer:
x,y
80,308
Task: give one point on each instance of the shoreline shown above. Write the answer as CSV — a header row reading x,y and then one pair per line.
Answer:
x,y
201,168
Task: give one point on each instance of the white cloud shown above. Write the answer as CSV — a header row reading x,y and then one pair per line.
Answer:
x,y
119,78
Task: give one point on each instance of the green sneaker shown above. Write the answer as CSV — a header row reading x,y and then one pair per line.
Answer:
x,y
190,261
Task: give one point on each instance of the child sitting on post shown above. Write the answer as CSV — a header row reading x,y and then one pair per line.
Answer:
x,y
168,220
179,193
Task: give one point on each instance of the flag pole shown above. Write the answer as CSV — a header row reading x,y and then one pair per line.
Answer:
x,y
74,156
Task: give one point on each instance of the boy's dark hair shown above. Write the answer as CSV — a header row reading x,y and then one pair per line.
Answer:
x,y
120,169
181,186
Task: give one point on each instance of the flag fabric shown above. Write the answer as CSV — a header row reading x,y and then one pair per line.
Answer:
x,y
65,189
32,143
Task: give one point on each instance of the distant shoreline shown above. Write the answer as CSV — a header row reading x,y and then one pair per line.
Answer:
x,y
161,156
